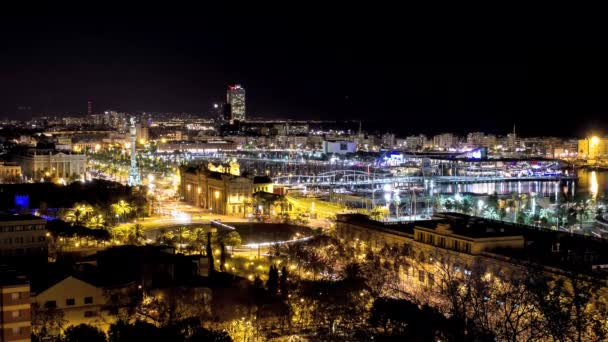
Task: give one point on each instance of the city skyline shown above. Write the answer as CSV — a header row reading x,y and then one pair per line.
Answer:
x,y
253,172
390,74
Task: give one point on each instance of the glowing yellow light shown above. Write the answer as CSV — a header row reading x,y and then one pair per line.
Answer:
x,y
217,194
595,140
142,141
199,189
128,145
97,147
163,140
593,185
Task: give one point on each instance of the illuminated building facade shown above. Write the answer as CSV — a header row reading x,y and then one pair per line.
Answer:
x,y
22,235
219,192
339,146
593,148
37,163
141,133
236,101
80,301
461,242
9,172
15,311
444,141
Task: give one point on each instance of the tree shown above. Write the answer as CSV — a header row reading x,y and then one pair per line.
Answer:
x,y
210,254
284,283
272,284
136,234
465,204
96,221
491,214
129,233
378,213
493,201
232,239
198,239
79,213
181,233
222,257
121,209
47,321
123,331
84,333
582,211
545,215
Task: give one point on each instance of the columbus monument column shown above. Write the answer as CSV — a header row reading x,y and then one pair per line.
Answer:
x,y
134,177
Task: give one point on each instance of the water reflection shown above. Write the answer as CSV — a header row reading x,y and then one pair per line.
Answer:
x,y
541,188
592,183
593,186
589,183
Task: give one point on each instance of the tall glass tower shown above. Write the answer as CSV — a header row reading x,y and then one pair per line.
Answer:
x,y
236,100
134,177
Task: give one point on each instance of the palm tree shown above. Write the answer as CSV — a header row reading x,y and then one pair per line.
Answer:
x,y
97,221
467,204
491,214
181,233
231,239
79,213
135,235
545,215
121,209
198,239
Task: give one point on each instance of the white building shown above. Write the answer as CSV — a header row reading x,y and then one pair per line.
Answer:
x,y
339,146
443,141
51,163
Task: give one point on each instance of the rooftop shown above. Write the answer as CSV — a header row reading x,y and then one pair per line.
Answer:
x,y
26,217
556,249
471,226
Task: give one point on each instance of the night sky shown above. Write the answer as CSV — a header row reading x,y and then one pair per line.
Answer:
x,y
398,71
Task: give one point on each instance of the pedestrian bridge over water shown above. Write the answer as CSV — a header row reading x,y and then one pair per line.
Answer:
x,y
360,178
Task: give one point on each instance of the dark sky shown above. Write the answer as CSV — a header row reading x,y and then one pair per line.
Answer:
x,y
396,69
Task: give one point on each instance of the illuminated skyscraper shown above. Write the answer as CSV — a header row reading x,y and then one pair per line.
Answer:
x,y
236,100
90,107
